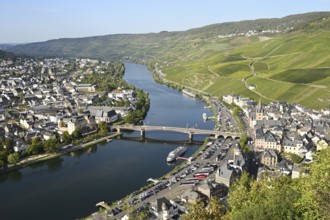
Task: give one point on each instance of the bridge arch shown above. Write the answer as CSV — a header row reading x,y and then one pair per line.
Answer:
x,y
115,129
221,137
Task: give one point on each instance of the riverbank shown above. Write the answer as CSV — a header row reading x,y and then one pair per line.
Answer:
x,y
159,78
44,157
108,171
102,213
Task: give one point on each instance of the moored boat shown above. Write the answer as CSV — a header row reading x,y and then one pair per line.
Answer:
x,y
176,153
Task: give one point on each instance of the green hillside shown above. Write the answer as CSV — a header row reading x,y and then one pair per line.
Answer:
x,y
6,55
291,64
292,67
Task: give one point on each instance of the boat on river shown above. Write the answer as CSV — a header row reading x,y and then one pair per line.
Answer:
x,y
205,116
176,153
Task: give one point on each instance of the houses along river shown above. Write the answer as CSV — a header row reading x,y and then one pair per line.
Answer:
x,y
68,187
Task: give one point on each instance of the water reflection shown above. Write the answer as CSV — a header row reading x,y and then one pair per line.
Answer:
x,y
154,140
14,176
37,165
54,165
92,149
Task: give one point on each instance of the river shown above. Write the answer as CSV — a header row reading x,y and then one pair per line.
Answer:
x,y
68,187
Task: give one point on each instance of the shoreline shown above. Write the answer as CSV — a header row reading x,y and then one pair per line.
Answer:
x,y
45,157
147,186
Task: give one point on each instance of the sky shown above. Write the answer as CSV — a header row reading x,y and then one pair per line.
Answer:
x,y
23,21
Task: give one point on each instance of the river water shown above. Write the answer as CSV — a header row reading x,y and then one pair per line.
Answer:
x,y
68,187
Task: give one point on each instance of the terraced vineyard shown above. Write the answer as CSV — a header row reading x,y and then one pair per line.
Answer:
x,y
292,67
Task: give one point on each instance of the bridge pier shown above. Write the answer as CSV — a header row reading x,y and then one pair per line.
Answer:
x,y
142,133
191,136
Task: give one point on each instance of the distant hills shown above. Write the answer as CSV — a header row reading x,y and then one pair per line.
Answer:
x,y
284,59
118,45
7,55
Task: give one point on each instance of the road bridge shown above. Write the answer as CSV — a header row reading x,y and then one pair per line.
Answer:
x,y
190,131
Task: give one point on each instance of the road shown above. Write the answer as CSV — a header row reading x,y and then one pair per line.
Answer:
x,y
170,187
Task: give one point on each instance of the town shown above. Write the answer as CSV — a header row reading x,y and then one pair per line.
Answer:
x,y
281,139
45,100
49,106
255,33
284,134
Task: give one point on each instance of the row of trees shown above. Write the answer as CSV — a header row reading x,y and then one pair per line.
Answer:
x,y
37,146
281,198
7,151
7,154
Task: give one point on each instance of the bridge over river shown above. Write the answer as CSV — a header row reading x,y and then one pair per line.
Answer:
x,y
190,131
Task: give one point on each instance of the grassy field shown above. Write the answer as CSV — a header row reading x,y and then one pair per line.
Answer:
x,y
224,86
229,69
302,75
260,67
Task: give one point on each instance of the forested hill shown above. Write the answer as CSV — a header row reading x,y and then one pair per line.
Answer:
x,y
152,44
6,55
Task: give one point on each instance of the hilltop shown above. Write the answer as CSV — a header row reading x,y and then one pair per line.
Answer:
x,y
283,59
118,45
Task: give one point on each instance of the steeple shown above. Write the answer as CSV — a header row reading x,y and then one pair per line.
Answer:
x,y
259,112
259,107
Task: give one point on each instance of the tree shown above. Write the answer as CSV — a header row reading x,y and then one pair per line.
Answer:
x,y
237,111
239,192
243,140
77,134
129,118
215,210
62,124
103,128
140,215
9,145
314,202
35,147
13,158
3,157
242,143
66,138
1,143
21,95
51,145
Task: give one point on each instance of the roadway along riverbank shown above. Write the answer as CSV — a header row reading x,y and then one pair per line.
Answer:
x,y
172,185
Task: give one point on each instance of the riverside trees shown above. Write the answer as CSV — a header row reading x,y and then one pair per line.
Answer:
x,y
141,108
